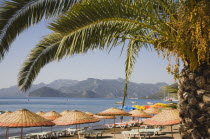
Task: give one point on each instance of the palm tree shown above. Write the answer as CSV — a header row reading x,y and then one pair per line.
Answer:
x,y
177,29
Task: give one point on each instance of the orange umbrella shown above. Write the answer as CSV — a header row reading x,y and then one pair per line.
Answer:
x,y
113,112
166,117
74,118
139,113
24,118
65,112
40,113
104,117
89,113
152,110
5,115
52,115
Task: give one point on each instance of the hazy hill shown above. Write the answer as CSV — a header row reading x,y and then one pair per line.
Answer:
x,y
46,92
13,91
91,88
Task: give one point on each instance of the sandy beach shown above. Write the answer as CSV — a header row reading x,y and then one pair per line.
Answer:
x,y
108,134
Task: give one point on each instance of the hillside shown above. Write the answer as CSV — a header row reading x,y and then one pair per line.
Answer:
x,y
89,88
46,92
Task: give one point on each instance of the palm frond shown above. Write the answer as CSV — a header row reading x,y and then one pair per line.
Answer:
x,y
18,15
132,52
38,58
89,25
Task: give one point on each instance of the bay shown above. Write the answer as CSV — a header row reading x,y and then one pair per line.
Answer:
x,y
60,104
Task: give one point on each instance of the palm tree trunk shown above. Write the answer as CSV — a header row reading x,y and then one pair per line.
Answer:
x,y
194,102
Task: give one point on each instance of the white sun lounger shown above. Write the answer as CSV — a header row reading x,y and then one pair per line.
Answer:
x,y
84,133
146,130
130,134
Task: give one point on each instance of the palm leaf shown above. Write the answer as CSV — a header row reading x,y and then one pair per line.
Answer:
x,y
132,52
89,25
18,15
38,58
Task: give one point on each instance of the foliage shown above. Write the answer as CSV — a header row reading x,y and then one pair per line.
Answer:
x,y
177,29
170,88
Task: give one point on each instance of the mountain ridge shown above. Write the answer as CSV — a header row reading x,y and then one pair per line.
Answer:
x,y
91,87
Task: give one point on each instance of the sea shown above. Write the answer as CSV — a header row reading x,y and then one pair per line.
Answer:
x,y
46,104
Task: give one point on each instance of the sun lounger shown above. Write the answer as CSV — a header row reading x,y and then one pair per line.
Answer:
x,y
132,123
71,131
148,130
131,133
84,133
121,125
40,135
24,137
59,133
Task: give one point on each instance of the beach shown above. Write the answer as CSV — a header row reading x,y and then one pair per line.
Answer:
x,y
108,134
93,105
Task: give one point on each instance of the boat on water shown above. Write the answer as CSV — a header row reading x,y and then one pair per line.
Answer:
x,y
149,103
171,99
133,102
119,102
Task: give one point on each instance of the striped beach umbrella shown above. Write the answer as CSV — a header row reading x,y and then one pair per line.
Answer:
x,y
65,112
40,113
104,117
89,113
75,118
139,113
168,117
52,115
152,110
113,112
3,116
24,118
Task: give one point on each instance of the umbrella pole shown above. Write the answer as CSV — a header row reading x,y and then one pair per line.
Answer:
x,y
7,131
104,124
114,128
77,132
138,128
50,132
21,133
172,132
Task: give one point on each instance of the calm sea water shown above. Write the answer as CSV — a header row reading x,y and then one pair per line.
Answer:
x,y
93,105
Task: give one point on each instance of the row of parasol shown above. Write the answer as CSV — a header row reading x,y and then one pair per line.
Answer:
x,y
156,105
24,118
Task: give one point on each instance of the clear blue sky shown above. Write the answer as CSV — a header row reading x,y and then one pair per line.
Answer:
x,y
149,68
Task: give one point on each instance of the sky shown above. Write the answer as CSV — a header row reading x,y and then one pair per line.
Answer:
x,y
149,68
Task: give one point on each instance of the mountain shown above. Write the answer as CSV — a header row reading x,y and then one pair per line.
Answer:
x,y
62,83
91,88
13,91
109,88
46,92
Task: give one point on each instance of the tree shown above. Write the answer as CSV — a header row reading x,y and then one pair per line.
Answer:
x,y
172,89
177,29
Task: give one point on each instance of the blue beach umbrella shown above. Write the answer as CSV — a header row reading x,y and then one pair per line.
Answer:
x,y
127,108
